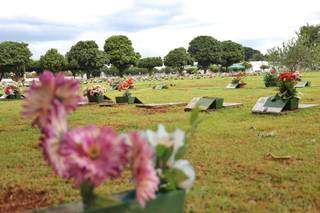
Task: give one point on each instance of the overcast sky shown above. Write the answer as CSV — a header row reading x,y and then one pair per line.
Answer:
x,y
155,27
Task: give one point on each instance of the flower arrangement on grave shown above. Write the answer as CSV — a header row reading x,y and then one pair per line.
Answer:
x,y
95,93
12,92
120,84
126,84
287,81
271,78
91,155
239,79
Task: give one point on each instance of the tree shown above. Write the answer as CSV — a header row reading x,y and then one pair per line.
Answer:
x,y
85,56
14,57
53,61
206,50
177,58
310,34
246,64
34,65
301,52
252,54
150,63
232,52
264,66
120,52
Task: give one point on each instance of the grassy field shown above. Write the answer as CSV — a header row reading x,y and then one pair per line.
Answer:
x,y
228,151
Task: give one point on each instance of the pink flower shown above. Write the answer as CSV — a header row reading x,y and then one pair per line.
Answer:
x,y
144,173
93,154
52,135
49,88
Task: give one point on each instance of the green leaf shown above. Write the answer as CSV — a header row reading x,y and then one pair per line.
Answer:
x,y
173,177
160,150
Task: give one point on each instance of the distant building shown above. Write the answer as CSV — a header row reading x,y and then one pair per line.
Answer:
x,y
256,66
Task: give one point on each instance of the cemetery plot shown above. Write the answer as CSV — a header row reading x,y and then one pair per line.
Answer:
x,y
11,97
269,105
235,85
161,86
232,86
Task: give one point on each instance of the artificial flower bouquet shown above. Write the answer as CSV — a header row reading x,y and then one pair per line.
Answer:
x,y
271,78
287,91
238,80
126,84
91,155
122,84
12,92
95,93
127,97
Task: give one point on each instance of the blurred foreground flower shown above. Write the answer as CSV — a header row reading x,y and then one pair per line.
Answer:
x,y
43,93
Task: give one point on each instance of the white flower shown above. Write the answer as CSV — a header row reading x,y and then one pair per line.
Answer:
x,y
162,137
188,170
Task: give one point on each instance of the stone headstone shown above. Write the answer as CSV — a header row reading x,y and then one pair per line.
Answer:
x,y
232,86
266,105
303,84
205,103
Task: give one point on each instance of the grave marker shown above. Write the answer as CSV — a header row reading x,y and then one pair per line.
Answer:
x,y
205,103
303,84
128,100
232,86
269,105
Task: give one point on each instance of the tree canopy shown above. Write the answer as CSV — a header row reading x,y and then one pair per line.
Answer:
x,y
232,52
53,61
85,56
251,54
14,57
206,50
34,65
150,63
177,58
120,51
301,52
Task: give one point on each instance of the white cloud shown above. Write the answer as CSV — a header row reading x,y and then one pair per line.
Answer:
x,y
261,24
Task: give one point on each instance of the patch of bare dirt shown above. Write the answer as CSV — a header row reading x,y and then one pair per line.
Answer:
x,y
18,199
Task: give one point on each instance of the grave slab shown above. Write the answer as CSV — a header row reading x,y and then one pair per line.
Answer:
x,y
303,84
205,103
265,105
229,104
160,105
232,86
305,106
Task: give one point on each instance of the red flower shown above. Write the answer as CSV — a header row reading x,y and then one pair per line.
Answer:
x,y
127,84
273,71
289,76
8,90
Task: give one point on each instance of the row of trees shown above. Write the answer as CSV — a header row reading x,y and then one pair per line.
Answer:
x,y
299,53
86,57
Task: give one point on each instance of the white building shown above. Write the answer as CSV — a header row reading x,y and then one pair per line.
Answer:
x,y
256,66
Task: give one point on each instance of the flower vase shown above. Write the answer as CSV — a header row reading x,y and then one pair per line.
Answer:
x,y
292,104
172,201
95,98
125,99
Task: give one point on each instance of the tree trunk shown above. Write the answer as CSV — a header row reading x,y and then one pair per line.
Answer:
x,y
88,74
1,75
121,72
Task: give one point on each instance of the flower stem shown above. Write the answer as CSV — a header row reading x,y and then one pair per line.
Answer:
x,y
87,194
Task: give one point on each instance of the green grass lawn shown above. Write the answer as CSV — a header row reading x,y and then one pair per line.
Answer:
x,y
228,151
